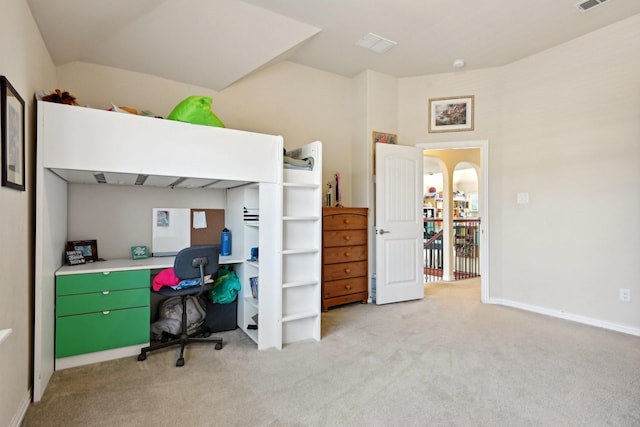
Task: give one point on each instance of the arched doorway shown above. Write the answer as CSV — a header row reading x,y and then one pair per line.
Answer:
x,y
480,204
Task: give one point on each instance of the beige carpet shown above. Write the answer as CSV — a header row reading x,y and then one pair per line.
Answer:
x,y
447,360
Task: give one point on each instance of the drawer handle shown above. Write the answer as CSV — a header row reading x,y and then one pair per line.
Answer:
x,y
106,312
347,221
105,292
347,270
347,238
347,254
106,273
347,287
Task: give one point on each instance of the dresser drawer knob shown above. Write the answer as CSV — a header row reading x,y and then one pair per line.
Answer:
x,y
347,287
347,254
347,221
347,270
106,312
105,292
347,238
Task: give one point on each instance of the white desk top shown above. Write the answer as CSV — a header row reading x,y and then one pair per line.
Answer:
x,y
130,264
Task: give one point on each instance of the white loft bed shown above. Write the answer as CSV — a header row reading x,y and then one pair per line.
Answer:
x,y
80,145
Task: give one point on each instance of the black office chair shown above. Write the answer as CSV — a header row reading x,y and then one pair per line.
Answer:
x,y
190,263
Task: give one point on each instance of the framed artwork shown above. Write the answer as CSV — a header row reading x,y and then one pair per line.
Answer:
x,y
453,114
12,134
88,248
382,138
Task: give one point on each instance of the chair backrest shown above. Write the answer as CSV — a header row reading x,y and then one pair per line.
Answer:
x,y
189,260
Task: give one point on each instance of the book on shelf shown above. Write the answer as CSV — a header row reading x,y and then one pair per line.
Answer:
x,y
253,282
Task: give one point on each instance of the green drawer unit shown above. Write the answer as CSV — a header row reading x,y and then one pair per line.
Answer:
x,y
87,333
71,284
67,305
101,311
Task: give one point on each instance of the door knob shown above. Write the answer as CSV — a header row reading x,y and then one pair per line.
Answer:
x,y
381,231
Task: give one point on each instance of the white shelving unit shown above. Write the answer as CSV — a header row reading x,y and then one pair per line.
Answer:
x,y
301,248
262,234
288,236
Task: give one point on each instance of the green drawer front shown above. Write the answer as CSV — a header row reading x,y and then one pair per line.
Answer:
x,y
99,301
97,282
87,333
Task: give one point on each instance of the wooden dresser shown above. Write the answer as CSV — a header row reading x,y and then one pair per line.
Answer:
x,y
344,256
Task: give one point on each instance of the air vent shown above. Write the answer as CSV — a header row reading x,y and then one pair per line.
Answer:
x,y
376,43
583,6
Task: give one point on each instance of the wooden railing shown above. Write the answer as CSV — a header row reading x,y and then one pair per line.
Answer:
x,y
466,246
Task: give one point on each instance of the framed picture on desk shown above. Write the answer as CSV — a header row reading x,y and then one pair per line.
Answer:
x,y
89,248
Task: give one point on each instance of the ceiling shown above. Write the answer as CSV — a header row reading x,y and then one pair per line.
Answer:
x,y
214,43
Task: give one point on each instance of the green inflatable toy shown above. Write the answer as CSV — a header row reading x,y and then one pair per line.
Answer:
x,y
196,110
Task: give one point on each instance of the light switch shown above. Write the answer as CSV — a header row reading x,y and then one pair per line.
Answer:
x,y
523,198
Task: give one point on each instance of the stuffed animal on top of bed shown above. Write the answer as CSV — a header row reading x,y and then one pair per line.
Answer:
x,y
196,110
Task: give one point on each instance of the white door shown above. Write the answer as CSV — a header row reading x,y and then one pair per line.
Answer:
x,y
399,224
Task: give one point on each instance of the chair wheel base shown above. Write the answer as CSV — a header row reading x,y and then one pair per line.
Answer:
x,y
142,356
219,346
180,362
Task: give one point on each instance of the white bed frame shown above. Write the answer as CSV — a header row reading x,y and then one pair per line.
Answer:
x,y
75,143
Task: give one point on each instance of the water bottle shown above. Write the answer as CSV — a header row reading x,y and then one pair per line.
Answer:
x,y
225,242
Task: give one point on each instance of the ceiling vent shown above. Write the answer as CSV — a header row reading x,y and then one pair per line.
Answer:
x,y
583,6
376,43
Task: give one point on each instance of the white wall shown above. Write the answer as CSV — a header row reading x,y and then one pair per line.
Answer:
x,y
563,126
25,61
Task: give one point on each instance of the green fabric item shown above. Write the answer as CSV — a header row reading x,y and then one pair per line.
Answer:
x,y
196,110
225,286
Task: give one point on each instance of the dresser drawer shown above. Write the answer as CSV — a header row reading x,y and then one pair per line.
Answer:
x,y
344,271
71,284
344,222
336,288
344,238
87,333
100,301
344,254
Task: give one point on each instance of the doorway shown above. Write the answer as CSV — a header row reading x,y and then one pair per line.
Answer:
x,y
483,211
460,168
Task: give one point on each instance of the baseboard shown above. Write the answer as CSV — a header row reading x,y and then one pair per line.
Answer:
x,y
567,316
22,410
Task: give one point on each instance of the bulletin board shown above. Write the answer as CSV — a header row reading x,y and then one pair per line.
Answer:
x,y
214,219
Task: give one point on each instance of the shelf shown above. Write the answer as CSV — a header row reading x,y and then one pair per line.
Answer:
x,y
300,218
300,185
300,251
300,284
252,263
251,301
299,316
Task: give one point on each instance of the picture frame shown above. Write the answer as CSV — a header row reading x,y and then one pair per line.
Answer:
x,y
12,133
381,138
452,114
89,249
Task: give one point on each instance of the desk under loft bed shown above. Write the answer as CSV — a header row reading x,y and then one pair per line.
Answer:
x,y
75,145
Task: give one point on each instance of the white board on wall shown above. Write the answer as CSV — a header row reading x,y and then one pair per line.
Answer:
x,y
170,231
